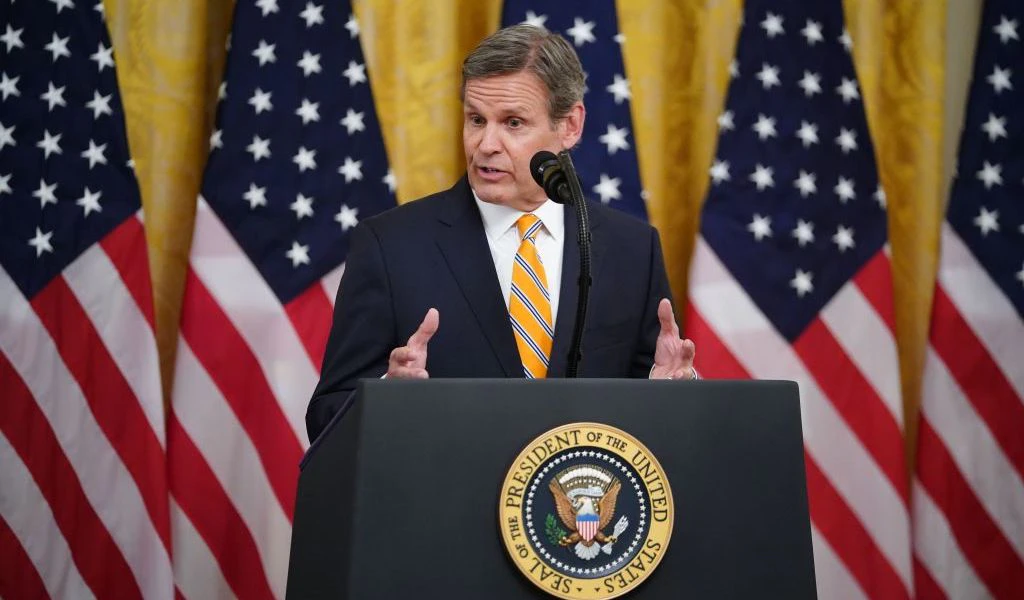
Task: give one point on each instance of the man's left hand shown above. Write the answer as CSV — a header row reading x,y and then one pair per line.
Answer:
x,y
673,356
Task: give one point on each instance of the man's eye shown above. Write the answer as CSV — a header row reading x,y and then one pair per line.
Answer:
x,y
514,123
476,120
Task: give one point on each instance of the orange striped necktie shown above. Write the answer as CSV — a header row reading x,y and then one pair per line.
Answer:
x,y
529,305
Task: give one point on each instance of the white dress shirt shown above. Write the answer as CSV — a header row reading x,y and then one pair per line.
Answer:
x,y
503,239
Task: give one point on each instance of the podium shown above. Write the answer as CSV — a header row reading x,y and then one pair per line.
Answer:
x,y
399,498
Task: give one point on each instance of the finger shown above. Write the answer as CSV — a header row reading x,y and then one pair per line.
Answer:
x,y
426,330
689,350
406,356
407,373
667,318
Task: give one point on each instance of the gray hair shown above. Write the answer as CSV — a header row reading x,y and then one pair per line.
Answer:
x,y
527,47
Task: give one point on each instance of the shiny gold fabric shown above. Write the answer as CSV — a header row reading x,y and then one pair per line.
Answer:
x,y
899,52
169,61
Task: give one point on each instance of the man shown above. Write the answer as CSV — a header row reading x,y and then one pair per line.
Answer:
x,y
480,280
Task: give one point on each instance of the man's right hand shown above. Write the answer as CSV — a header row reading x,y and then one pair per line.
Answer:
x,y
410,361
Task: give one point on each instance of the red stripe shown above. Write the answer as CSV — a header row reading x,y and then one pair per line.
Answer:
x,y
208,507
97,557
310,313
830,513
113,403
855,399
875,282
926,588
847,536
126,248
714,360
980,378
982,542
234,369
18,576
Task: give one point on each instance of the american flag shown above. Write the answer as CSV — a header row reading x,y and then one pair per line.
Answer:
x,y
968,501
296,160
606,155
83,492
791,280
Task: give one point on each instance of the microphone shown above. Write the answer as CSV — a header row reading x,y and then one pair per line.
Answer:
x,y
557,175
548,174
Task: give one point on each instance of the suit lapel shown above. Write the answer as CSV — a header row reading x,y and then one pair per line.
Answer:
x,y
569,292
464,245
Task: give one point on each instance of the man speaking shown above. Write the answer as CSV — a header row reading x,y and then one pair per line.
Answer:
x,y
480,280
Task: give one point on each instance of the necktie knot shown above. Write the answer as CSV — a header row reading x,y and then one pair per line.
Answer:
x,y
528,225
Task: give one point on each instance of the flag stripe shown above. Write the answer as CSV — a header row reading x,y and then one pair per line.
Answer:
x,y
867,337
982,541
940,568
203,501
124,424
982,381
122,246
32,524
846,388
308,312
258,318
874,280
926,588
716,361
331,282
196,572
974,450
982,306
854,545
828,567
96,555
764,353
204,415
243,386
18,577
94,280
104,477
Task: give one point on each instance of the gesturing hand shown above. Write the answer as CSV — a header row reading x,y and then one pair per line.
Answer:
x,y
410,360
673,357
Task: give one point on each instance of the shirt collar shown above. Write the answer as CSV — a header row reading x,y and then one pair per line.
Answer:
x,y
498,218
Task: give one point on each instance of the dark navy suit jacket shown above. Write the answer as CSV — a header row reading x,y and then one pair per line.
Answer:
x,y
434,253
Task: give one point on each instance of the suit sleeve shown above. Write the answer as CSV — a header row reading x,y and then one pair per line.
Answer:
x,y
657,288
362,333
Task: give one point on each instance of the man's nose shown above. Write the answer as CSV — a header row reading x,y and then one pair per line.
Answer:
x,y
490,141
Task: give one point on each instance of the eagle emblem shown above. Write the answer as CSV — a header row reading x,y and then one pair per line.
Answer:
x,y
585,497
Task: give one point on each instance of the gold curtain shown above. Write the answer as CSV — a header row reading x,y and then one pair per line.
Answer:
x,y
899,52
170,58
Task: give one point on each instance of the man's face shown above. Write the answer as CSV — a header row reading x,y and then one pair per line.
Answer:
x,y
505,123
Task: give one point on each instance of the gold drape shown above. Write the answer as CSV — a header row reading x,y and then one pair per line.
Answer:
x,y
170,57
899,52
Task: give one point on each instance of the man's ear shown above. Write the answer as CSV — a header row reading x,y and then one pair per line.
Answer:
x,y
572,126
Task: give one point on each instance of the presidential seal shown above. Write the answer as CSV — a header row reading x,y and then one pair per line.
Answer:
x,y
586,511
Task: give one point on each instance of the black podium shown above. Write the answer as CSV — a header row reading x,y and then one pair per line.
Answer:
x,y
399,498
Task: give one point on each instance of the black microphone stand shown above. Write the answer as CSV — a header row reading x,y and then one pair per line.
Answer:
x,y
584,281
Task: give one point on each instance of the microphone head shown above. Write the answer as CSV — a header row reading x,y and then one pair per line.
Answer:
x,y
548,174
541,162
